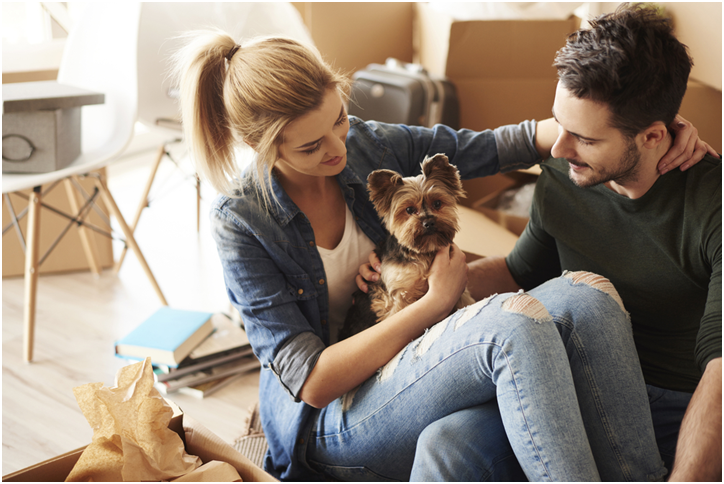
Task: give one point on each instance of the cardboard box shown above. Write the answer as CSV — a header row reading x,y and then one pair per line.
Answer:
x,y
479,236
68,255
702,106
489,103
484,196
198,439
490,207
488,49
502,69
351,35
698,26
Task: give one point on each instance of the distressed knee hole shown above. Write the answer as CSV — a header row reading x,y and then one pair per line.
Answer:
x,y
386,371
597,282
348,398
431,335
527,306
472,311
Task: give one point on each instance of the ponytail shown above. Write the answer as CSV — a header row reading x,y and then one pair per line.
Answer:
x,y
207,131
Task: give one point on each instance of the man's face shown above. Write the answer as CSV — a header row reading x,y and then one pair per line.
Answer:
x,y
596,152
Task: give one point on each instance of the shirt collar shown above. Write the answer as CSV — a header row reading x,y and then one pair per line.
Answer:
x,y
285,210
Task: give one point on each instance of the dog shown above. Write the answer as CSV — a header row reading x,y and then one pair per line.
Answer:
x,y
420,213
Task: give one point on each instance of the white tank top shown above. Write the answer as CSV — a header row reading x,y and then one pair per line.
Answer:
x,y
341,265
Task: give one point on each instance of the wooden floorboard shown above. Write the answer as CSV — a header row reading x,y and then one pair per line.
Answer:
x,y
79,316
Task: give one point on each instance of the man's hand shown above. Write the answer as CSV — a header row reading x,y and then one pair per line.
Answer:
x,y
687,149
490,275
698,450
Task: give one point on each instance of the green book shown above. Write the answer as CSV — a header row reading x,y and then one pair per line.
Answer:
x,y
168,336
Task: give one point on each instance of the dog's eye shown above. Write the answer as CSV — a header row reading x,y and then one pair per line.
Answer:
x,y
410,210
437,204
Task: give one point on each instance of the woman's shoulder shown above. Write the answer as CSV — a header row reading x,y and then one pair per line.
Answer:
x,y
243,208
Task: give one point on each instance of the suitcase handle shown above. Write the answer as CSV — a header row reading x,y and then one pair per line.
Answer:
x,y
392,63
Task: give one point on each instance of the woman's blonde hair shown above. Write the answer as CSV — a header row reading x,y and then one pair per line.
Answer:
x,y
249,97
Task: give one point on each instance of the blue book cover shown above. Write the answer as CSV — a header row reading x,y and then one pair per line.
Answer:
x,y
167,336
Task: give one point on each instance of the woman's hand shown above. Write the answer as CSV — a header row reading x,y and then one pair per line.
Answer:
x,y
687,149
368,272
448,278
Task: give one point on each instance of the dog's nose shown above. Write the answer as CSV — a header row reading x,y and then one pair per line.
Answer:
x,y
429,223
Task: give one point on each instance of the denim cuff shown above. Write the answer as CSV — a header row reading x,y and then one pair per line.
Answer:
x,y
516,146
295,360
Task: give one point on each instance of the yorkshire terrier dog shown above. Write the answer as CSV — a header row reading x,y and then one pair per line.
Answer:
x,y
421,215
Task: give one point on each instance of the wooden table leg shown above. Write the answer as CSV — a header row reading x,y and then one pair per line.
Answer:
x,y
31,272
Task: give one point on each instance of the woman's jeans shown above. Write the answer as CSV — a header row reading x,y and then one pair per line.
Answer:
x,y
561,362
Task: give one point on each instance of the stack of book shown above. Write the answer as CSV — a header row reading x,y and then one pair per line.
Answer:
x,y
192,352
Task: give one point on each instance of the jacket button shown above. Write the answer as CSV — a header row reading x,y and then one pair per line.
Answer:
x,y
321,282
311,243
301,441
324,321
300,292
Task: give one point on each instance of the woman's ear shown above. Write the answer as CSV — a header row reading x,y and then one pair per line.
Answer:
x,y
654,135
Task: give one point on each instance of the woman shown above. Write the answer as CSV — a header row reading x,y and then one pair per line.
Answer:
x,y
292,232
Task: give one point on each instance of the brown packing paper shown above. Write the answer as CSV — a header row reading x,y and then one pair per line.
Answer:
x,y
214,471
131,438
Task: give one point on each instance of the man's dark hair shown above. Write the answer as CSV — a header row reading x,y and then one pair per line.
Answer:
x,y
631,61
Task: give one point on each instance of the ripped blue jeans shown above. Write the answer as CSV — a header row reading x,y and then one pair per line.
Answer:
x,y
561,362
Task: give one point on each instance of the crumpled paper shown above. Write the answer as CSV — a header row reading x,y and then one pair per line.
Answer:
x,y
131,438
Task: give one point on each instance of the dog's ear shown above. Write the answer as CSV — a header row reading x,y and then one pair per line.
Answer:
x,y
382,185
439,169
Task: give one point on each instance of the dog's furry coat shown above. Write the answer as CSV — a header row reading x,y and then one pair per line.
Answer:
x,y
421,215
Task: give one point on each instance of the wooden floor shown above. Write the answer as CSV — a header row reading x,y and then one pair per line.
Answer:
x,y
80,316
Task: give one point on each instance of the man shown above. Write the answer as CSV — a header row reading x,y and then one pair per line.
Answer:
x,y
601,205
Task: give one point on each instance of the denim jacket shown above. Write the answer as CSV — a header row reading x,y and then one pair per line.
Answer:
x,y
275,277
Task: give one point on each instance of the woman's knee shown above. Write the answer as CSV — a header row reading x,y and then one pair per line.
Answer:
x,y
584,299
597,282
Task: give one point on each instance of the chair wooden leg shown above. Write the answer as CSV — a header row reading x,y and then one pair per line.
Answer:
x,y
143,203
31,273
128,233
87,241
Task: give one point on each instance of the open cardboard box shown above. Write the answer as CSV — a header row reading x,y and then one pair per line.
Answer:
x,y
386,28
487,201
198,440
480,237
483,196
702,106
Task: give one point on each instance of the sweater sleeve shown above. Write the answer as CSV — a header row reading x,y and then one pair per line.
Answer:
x,y
708,340
516,145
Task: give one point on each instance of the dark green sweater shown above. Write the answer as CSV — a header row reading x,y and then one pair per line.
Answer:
x,y
662,252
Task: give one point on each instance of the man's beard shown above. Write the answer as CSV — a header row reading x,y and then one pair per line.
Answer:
x,y
625,171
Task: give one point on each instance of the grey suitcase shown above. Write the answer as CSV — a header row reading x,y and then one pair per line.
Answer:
x,y
403,93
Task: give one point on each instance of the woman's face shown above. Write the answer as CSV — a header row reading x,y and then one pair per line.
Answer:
x,y
314,144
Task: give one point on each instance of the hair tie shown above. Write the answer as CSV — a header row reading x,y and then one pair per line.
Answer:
x,y
232,52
